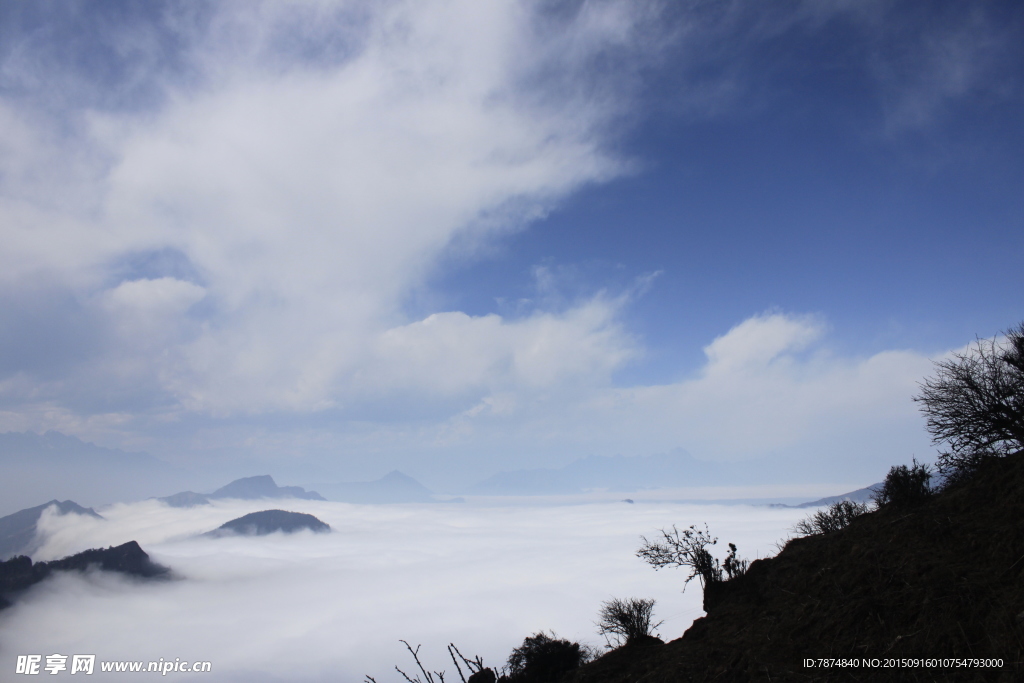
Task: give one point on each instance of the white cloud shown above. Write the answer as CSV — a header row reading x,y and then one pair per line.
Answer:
x,y
759,341
312,164
769,387
327,607
448,353
312,195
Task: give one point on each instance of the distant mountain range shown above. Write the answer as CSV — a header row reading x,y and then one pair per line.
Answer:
x,y
247,488
613,473
393,487
863,495
18,531
53,465
267,522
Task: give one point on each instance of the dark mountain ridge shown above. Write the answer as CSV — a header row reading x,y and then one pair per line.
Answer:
x,y
20,573
942,580
267,522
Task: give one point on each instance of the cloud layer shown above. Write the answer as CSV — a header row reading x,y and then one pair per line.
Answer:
x,y
310,607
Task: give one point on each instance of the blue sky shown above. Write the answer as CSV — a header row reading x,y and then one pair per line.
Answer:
x,y
335,238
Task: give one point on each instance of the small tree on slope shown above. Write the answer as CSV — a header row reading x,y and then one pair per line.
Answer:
x,y
975,403
689,548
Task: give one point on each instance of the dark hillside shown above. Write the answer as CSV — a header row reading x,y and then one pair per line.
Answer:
x,y
267,522
20,573
942,580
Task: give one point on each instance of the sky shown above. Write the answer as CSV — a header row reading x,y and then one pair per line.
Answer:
x,y
325,240
332,607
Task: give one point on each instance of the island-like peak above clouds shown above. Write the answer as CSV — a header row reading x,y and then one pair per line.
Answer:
x,y
267,522
18,531
263,486
246,488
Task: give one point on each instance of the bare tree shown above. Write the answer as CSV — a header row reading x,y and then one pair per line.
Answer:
x,y
478,673
975,403
428,677
689,548
626,620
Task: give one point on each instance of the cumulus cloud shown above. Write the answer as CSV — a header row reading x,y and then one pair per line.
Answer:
x,y
769,387
452,352
226,218
310,163
758,391
327,607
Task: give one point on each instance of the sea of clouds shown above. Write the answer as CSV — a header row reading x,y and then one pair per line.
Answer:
x,y
332,607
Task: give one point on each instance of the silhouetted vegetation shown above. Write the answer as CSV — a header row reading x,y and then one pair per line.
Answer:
x,y
544,658
428,676
836,516
734,566
905,486
626,620
929,574
689,548
975,404
478,673
939,579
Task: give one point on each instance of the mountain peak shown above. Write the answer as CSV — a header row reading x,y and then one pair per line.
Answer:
x,y
260,486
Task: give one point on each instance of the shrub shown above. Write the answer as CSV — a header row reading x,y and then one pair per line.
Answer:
x,y
836,516
905,486
733,565
626,620
689,548
544,658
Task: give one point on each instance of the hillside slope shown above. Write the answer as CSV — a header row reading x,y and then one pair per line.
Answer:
x,y
20,573
943,580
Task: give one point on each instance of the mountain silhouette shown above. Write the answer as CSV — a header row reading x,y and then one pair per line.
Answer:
x,y
247,488
18,530
20,573
267,522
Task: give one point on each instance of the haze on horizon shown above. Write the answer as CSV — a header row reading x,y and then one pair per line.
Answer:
x,y
327,240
